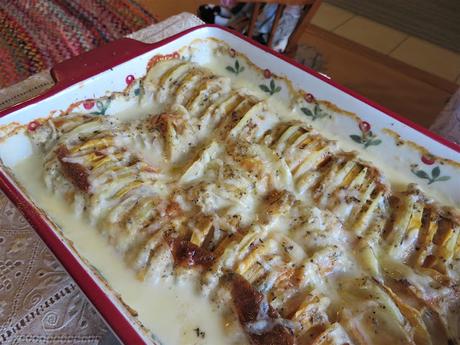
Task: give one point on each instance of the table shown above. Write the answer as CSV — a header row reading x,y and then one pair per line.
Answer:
x,y
39,301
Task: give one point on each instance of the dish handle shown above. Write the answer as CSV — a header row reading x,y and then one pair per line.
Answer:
x,y
94,61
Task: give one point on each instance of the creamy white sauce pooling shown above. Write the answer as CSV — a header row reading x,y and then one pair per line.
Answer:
x,y
171,312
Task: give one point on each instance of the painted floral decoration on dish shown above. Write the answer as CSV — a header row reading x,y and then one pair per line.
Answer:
x,y
267,73
236,68
89,104
317,112
431,176
129,79
102,107
309,98
367,137
428,159
33,125
271,88
136,87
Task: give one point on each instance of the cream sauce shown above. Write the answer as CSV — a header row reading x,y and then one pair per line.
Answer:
x,y
170,311
397,178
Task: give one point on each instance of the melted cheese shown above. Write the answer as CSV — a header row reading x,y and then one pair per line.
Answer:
x,y
170,311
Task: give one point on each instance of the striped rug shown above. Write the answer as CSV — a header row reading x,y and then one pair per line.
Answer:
x,y
36,34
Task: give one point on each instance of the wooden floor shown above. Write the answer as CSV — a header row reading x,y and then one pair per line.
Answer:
x,y
412,93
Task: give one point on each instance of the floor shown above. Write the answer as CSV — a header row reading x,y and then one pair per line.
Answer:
x,y
405,74
398,45
391,84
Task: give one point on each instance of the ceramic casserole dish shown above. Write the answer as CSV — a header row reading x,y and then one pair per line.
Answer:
x,y
108,81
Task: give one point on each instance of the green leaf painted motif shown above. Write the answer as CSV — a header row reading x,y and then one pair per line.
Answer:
x,y
434,177
236,68
422,174
272,88
307,111
264,88
367,137
443,178
372,142
101,107
317,108
356,138
317,112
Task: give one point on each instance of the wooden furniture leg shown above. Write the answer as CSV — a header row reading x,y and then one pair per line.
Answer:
x,y
303,23
279,12
252,24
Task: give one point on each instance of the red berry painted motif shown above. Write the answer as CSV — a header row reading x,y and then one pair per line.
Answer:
x,y
88,104
232,52
309,98
428,159
267,73
364,126
176,55
129,79
367,137
33,125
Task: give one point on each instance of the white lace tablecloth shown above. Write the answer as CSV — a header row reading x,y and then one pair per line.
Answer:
x,y
39,301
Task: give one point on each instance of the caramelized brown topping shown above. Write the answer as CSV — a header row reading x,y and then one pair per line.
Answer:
x,y
163,121
173,209
187,254
259,319
73,171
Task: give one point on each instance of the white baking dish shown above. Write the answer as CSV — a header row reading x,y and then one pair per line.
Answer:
x,y
395,145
